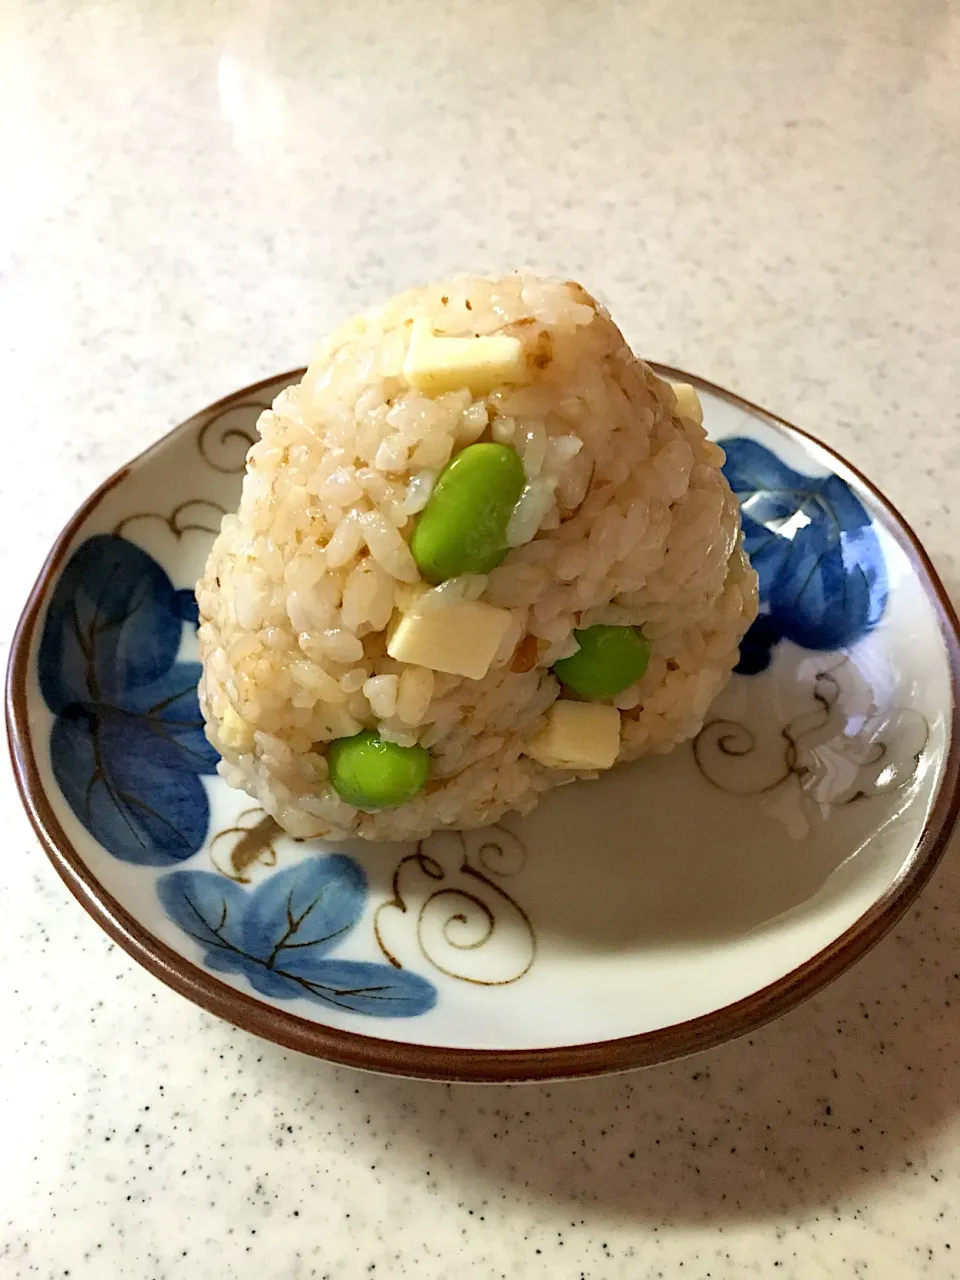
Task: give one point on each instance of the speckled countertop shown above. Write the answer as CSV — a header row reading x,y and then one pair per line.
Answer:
x,y
767,195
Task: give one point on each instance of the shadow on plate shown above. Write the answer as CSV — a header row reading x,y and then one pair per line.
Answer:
x,y
851,1087
698,867
654,856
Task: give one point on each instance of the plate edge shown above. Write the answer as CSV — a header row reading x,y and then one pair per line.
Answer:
x,y
452,1064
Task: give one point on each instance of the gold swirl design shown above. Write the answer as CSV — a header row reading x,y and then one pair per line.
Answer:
x,y
255,845
722,739
894,775
186,517
464,918
461,901
503,856
223,445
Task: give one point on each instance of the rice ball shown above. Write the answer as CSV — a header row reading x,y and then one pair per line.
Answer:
x,y
481,550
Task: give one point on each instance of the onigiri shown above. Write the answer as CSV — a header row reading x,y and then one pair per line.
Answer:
x,y
481,551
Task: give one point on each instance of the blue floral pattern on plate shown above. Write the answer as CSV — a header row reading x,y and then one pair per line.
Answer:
x,y
128,751
823,581
127,747
280,935
286,936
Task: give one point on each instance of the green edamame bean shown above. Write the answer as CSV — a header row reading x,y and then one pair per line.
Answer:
x,y
372,774
608,660
463,527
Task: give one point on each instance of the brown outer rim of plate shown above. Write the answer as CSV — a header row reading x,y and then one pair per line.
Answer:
x,y
486,1065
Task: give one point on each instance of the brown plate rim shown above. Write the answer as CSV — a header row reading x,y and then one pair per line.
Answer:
x,y
435,1062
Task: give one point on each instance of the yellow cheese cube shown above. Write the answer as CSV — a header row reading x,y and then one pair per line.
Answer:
x,y
688,402
461,638
438,364
578,735
234,732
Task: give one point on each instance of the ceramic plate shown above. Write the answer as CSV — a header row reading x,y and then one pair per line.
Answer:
x,y
675,903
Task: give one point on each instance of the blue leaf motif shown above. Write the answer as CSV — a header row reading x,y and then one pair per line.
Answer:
x,y
279,936
113,623
128,747
139,812
268,982
206,906
363,987
169,711
823,580
312,905
187,607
